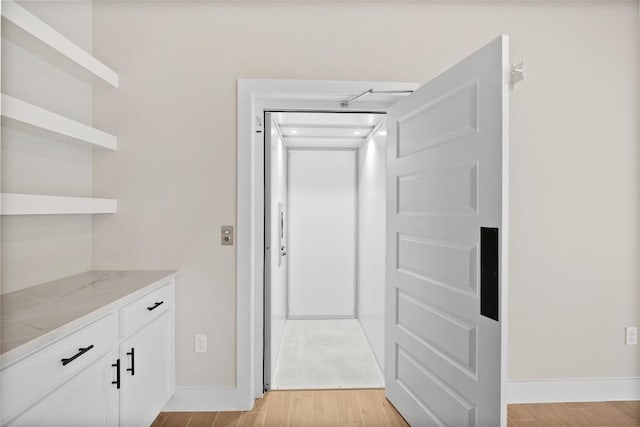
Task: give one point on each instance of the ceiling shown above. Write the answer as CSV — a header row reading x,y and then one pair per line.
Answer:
x,y
330,130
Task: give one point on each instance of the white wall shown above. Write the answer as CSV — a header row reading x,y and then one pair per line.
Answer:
x,y
278,268
322,243
371,240
575,177
39,249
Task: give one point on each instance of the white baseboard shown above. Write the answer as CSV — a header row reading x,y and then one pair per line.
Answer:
x,y
574,390
205,399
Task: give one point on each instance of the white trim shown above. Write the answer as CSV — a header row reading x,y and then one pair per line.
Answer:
x,y
204,399
574,390
340,386
504,233
254,96
322,317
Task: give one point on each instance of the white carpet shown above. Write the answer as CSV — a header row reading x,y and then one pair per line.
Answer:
x,y
322,354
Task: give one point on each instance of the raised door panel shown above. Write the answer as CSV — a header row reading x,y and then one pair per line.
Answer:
x,y
88,399
147,380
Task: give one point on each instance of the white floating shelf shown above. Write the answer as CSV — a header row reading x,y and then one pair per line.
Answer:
x,y
33,204
21,114
29,32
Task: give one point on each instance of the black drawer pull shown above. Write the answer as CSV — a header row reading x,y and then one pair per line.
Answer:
x,y
117,366
156,305
80,352
132,369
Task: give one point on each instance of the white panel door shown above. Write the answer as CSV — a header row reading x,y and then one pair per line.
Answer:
x,y
445,166
322,215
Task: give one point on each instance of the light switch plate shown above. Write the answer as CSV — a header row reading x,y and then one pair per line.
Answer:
x,y
226,235
631,335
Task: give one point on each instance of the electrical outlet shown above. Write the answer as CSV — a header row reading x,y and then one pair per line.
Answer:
x,y
201,343
631,335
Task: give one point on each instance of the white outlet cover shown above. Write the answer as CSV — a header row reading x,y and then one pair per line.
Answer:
x,y
631,335
200,343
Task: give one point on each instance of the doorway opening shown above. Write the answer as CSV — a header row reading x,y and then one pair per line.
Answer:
x,y
324,249
446,235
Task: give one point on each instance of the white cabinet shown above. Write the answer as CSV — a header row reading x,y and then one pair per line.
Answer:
x,y
117,370
89,399
147,357
31,379
146,377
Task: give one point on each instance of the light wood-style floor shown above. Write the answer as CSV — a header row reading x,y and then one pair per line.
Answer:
x,y
298,408
369,408
602,414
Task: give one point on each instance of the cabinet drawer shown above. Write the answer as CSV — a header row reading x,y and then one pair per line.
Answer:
x,y
37,375
145,309
82,401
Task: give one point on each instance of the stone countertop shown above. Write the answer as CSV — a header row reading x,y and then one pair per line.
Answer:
x,y
33,317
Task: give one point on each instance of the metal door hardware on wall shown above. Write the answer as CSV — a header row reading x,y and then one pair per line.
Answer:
x,y
226,235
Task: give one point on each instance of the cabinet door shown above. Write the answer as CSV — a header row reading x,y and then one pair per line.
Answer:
x,y
146,372
87,399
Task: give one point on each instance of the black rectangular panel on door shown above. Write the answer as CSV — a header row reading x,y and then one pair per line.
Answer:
x,y
489,270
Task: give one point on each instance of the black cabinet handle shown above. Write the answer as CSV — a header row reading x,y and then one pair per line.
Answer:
x,y
156,305
80,352
117,381
132,369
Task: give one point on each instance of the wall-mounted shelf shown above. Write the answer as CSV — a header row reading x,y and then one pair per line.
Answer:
x,y
33,204
18,113
29,32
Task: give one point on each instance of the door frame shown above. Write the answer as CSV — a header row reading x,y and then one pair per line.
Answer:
x,y
255,96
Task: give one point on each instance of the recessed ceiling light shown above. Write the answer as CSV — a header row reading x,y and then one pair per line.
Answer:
x,y
357,132
294,131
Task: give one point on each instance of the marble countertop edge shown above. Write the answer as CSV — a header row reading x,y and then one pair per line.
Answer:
x,y
22,351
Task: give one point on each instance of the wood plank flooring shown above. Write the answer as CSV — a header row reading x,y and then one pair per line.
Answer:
x,y
582,414
322,408
325,408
